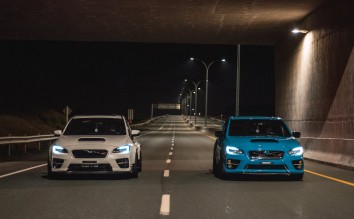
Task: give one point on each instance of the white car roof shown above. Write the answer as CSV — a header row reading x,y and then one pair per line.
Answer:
x,y
98,116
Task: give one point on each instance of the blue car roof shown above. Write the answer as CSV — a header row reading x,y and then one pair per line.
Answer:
x,y
254,117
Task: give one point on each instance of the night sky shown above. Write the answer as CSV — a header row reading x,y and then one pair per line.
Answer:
x,y
110,77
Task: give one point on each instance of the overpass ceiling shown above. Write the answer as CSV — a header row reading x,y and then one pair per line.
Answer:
x,y
155,21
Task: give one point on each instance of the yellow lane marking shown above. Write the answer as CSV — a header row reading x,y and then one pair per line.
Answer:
x,y
210,137
331,178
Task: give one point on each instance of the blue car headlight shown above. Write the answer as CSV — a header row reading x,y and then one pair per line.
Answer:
x,y
125,149
233,150
57,149
298,151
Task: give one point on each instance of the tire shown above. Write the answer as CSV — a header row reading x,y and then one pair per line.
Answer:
x,y
50,173
215,166
135,172
140,163
297,177
221,171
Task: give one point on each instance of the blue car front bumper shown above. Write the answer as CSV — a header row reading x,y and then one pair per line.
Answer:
x,y
242,164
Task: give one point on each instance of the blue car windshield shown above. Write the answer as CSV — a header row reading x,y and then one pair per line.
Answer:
x,y
258,128
96,126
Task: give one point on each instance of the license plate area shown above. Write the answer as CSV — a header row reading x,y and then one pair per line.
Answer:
x,y
88,166
266,163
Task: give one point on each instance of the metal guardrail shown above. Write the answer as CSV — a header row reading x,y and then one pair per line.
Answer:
x,y
147,122
42,138
25,140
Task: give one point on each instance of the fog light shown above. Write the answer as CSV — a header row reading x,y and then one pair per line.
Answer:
x,y
298,164
57,163
232,164
123,163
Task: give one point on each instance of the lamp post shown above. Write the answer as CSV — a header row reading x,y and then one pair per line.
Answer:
x,y
186,103
195,99
206,84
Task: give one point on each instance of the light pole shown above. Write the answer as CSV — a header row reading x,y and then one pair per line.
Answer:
x,y
195,99
206,84
186,103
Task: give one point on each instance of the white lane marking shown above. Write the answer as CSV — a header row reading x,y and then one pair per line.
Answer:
x,y
171,149
168,161
165,205
24,170
170,153
166,173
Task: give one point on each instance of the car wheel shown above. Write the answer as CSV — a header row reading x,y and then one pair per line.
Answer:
x,y
134,172
221,171
297,177
215,166
140,163
50,173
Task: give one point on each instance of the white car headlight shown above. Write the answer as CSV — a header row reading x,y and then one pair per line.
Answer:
x,y
125,149
298,151
233,150
57,149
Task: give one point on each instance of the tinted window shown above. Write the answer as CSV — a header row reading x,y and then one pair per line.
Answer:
x,y
258,128
96,126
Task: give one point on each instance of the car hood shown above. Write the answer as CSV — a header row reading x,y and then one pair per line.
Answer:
x,y
248,143
91,142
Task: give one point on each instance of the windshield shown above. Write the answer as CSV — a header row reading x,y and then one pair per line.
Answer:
x,y
96,126
258,128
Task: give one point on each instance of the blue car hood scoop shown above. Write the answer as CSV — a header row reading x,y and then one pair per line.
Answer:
x,y
264,140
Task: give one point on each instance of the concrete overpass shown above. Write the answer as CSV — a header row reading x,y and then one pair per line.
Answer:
x,y
314,71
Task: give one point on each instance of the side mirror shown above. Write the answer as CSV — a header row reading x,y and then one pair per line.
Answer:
x,y
135,133
297,134
219,133
57,132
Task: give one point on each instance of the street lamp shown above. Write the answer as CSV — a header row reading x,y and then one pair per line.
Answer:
x,y
206,83
190,103
195,99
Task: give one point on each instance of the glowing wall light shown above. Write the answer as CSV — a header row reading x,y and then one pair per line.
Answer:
x,y
296,31
304,78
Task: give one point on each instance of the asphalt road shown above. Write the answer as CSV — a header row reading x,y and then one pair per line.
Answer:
x,y
176,182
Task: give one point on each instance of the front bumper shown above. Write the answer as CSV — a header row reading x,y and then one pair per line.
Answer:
x,y
241,164
112,163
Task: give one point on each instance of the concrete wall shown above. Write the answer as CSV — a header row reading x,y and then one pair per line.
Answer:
x,y
315,83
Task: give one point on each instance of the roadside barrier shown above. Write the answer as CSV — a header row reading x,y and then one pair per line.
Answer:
x,y
11,140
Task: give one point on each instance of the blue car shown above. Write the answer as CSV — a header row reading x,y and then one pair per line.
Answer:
x,y
257,145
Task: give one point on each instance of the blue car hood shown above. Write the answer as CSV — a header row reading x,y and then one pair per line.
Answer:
x,y
248,143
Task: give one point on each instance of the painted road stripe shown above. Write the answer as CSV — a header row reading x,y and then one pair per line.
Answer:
x,y
165,205
168,161
166,173
330,178
24,170
170,153
210,137
171,149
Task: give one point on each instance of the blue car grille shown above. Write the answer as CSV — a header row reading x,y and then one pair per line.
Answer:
x,y
266,155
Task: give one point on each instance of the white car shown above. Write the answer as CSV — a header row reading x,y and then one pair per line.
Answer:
x,y
95,144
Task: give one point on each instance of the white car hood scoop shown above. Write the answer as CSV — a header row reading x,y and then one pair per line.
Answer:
x,y
92,139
